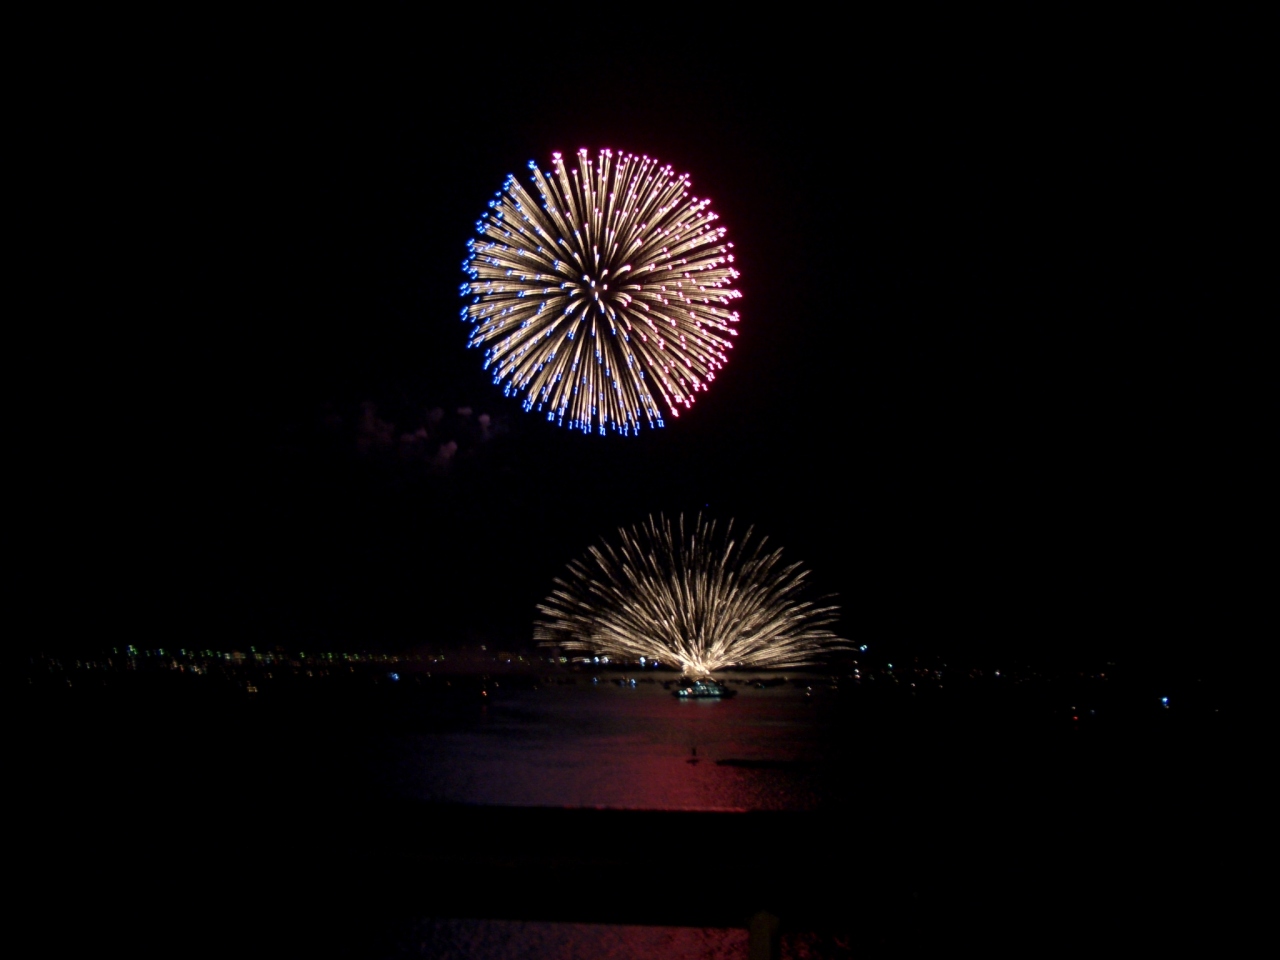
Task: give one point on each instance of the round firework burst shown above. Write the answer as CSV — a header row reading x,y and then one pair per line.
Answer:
x,y
687,597
606,301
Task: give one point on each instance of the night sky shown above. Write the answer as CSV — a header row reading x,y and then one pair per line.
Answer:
x,y
974,391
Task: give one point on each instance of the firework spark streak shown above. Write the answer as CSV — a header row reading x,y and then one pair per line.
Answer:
x,y
687,597
606,301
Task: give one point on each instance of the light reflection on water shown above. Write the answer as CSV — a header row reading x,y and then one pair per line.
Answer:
x,y
512,940
602,745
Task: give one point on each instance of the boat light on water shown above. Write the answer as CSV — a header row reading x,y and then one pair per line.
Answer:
x,y
705,688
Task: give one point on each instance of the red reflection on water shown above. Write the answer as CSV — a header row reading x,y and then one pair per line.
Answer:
x,y
622,747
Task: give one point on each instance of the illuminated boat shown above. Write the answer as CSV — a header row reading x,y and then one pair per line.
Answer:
x,y
705,688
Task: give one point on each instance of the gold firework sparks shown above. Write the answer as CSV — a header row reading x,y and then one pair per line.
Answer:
x,y
688,597
605,301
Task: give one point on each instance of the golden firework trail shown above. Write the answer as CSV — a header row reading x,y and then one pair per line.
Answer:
x,y
605,300
687,597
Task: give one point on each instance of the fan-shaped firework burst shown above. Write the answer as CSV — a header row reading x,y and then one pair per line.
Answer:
x,y
606,300
687,597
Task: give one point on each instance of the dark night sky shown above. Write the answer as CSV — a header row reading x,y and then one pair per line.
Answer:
x,y
974,389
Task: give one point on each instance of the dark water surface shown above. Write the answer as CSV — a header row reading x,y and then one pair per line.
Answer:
x,y
601,745
511,817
